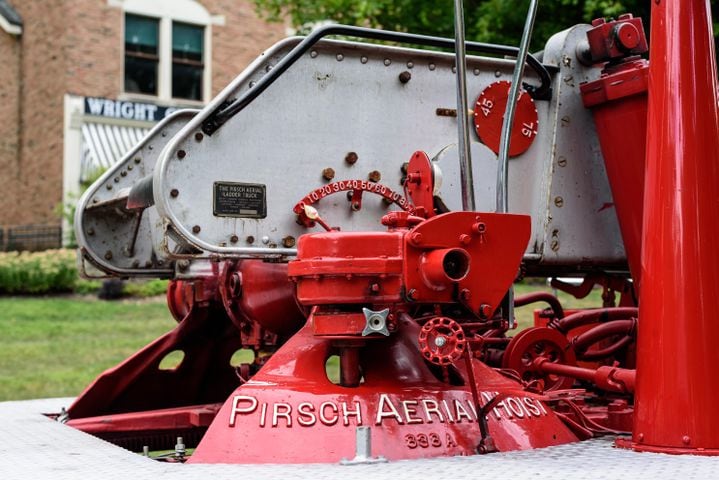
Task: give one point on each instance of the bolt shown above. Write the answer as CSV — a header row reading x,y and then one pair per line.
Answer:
x,y
91,231
565,121
130,167
116,179
640,437
181,154
137,160
174,193
374,288
109,186
485,311
686,439
183,265
387,62
374,176
476,72
199,136
148,264
363,59
328,173
562,161
289,241
432,66
405,77
234,239
413,294
313,54
265,239
250,239
196,229
440,341
123,173
465,294
479,227
355,206
108,255
454,69
559,201
465,239
135,263
252,84
554,245
351,158
416,238
339,57
410,64
497,73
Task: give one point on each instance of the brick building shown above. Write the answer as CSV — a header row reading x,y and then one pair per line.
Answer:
x,y
81,80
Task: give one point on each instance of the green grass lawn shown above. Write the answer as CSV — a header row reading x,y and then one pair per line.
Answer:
x,y
55,346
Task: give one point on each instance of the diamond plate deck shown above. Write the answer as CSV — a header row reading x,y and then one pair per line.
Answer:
x,y
32,446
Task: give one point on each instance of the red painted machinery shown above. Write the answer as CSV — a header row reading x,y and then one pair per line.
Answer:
x,y
416,307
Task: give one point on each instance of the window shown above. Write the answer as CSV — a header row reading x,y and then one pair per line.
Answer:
x,y
187,66
141,54
167,47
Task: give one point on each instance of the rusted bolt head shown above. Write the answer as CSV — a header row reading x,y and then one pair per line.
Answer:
x,y
196,229
108,255
558,201
485,310
405,77
138,159
351,158
199,136
174,193
234,239
109,186
374,176
250,239
328,173
289,241
123,173
413,294
181,154
183,265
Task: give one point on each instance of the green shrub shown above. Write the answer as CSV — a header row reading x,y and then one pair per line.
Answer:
x,y
38,272
55,271
148,288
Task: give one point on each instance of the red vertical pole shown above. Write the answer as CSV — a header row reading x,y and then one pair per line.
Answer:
x,y
678,346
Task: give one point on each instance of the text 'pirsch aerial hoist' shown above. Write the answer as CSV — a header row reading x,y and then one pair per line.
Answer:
x,y
321,205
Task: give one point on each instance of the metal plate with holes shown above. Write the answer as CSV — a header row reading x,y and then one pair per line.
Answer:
x,y
239,200
345,100
113,238
35,447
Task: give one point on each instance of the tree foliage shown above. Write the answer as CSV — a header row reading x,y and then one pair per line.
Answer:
x,y
495,21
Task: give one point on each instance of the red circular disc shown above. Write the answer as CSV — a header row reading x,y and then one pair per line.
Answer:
x,y
489,115
536,342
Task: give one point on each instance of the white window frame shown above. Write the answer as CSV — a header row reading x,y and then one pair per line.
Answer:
x,y
167,12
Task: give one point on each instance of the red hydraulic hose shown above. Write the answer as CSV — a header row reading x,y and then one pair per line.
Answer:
x,y
547,297
616,327
600,315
